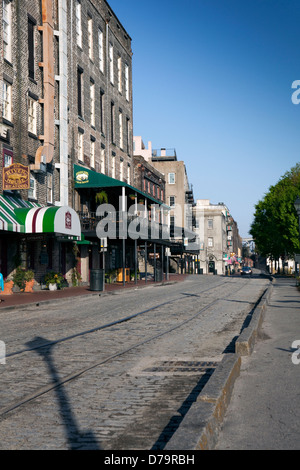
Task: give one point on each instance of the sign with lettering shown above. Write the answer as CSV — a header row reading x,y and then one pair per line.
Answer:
x,y
68,220
15,176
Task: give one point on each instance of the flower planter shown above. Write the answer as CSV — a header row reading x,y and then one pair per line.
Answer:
x,y
52,286
8,288
29,286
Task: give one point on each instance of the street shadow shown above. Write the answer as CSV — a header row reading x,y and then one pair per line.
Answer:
x,y
76,439
176,420
290,350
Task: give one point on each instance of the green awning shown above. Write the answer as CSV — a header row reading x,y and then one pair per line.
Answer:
x,y
86,178
17,215
83,241
10,220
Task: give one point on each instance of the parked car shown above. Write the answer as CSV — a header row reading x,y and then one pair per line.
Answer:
x,y
246,270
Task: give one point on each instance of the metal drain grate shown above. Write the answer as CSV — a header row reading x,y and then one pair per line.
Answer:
x,y
182,367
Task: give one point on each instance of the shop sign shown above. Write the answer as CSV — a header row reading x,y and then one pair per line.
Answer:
x,y
82,177
16,176
68,220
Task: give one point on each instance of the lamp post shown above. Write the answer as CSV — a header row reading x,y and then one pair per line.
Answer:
x,y
297,207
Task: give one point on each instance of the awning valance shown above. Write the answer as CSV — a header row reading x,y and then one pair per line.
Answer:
x,y
8,217
86,178
26,217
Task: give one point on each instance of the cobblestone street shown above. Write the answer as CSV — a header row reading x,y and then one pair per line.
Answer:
x,y
117,371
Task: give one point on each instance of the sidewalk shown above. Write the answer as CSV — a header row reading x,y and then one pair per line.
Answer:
x,y
264,412
19,299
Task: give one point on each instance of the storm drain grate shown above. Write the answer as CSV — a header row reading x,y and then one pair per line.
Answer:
x,y
183,367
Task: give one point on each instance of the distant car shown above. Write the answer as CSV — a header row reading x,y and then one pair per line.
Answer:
x,y
246,270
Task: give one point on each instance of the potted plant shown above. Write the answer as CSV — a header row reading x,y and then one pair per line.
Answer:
x,y
8,285
29,280
101,197
54,280
110,276
76,277
23,279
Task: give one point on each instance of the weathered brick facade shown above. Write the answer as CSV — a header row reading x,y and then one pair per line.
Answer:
x,y
42,65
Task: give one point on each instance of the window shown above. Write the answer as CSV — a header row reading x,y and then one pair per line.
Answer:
x,y
6,107
102,160
121,170
120,74
90,38
92,153
127,82
49,188
7,157
172,225
101,50
32,115
79,92
171,178
32,188
210,242
113,167
172,200
80,146
92,103
111,63
6,26
31,25
78,24
128,174
210,223
127,134
112,121
102,111
121,129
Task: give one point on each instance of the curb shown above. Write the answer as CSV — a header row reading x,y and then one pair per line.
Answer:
x,y
103,293
200,427
245,343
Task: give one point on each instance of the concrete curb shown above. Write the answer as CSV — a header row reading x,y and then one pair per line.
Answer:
x,y
245,343
200,427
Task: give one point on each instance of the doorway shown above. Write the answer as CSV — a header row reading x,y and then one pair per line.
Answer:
x,y
211,267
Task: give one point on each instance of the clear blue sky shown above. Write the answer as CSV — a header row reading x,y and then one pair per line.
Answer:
x,y
213,79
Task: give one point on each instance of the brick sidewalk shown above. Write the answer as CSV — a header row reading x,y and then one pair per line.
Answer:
x,y
19,299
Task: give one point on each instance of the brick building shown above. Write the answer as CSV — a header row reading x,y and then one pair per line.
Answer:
x,y
65,136
66,99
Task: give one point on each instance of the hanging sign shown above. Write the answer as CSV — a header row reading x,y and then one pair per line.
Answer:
x,y
16,176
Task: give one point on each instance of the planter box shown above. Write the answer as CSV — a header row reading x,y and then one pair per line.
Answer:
x,y
8,286
29,286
